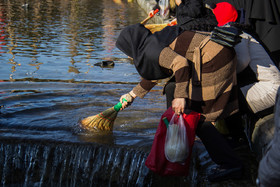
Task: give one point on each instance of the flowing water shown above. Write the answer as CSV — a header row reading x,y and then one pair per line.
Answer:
x,y
49,81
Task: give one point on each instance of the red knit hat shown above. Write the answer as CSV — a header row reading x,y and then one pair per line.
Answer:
x,y
225,13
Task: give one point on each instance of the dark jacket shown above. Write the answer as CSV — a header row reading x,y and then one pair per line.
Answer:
x,y
192,15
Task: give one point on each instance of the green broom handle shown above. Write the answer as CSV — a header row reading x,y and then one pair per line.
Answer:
x,y
166,122
118,106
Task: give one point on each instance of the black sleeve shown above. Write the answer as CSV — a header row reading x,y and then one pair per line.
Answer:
x,y
156,7
188,11
190,8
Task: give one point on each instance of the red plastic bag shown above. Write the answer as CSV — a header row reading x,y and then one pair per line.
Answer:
x,y
156,160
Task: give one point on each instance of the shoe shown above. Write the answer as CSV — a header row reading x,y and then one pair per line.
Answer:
x,y
221,174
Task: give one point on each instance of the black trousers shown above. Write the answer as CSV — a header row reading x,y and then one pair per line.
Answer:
x,y
216,145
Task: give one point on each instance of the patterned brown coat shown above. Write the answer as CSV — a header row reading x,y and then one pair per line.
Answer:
x,y
205,74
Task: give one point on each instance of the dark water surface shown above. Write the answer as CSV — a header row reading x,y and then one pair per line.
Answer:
x,y
48,78
48,82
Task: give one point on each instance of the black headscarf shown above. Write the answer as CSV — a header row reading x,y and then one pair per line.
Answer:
x,y
144,47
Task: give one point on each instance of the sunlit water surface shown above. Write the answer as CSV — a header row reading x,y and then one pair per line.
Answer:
x,y
49,81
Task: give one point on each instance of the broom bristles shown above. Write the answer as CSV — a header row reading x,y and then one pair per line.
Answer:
x,y
155,27
103,121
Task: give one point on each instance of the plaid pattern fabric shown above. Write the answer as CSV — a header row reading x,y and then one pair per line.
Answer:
x,y
205,74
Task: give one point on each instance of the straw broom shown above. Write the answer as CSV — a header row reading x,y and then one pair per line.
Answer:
x,y
103,121
158,27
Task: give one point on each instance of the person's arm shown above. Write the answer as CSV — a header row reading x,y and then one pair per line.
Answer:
x,y
140,90
143,87
190,8
156,6
181,70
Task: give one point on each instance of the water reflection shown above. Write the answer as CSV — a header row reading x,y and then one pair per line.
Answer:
x,y
109,25
47,67
68,35
3,34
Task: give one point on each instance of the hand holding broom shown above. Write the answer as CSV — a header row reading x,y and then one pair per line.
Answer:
x,y
127,99
104,121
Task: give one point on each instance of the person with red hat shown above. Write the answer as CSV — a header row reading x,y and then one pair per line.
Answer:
x,y
258,76
259,83
224,13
